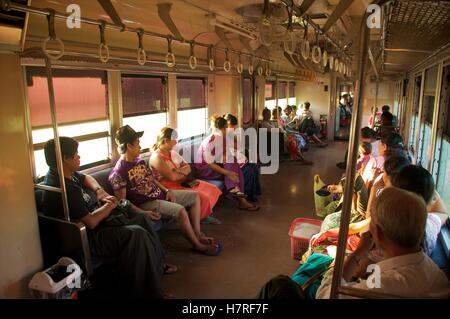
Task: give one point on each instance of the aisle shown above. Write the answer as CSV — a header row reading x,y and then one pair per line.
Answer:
x,y
256,245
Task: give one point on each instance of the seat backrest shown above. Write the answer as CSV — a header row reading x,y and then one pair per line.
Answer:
x,y
60,238
102,178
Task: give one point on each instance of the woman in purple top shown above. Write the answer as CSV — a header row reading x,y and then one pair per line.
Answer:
x,y
213,161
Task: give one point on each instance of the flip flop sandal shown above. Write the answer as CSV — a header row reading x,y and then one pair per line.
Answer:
x,y
210,221
216,252
170,269
206,241
253,208
238,194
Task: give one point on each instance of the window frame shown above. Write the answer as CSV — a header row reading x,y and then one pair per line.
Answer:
x,y
273,88
204,78
164,81
60,71
424,124
252,101
205,91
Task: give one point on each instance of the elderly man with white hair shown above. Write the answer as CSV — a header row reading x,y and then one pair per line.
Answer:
x,y
397,228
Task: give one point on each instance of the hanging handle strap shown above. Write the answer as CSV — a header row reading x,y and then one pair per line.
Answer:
x,y
52,36
103,46
170,57
192,58
210,58
141,55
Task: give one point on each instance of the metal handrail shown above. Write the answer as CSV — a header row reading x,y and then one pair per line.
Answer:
x,y
62,189
58,15
352,157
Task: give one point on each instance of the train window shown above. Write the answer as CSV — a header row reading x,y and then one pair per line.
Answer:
x,y
192,112
144,102
81,116
292,100
282,96
247,101
445,100
269,94
429,96
415,113
443,147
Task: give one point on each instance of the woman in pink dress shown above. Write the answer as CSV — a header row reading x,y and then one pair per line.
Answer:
x,y
174,171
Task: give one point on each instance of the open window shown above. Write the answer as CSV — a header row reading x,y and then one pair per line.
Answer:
x,y
426,123
83,117
415,114
192,113
144,105
292,100
269,94
442,151
282,94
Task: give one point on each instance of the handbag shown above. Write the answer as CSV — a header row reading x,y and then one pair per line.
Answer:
x,y
310,274
190,181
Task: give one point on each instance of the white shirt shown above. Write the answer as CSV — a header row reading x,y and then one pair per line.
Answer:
x,y
408,276
374,162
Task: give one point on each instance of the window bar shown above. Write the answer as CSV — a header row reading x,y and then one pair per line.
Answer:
x,y
435,123
419,118
59,163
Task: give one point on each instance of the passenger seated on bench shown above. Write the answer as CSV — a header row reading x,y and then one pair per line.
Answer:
x,y
295,141
387,108
387,124
418,180
307,125
397,228
390,142
213,161
367,135
265,123
133,179
392,166
276,117
129,238
175,171
250,170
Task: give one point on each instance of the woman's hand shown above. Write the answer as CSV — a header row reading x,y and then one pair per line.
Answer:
x,y
336,189
233,176
170,196
153,215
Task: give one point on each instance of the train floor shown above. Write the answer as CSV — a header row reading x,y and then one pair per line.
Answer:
x,y
256,244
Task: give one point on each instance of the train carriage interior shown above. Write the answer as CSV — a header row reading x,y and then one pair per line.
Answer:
x,y
204,149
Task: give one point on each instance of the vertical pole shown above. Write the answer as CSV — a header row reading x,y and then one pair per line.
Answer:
x,y
374,112
59,162
351,163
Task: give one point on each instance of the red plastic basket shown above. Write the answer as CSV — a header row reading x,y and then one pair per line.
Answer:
x,y
299,245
